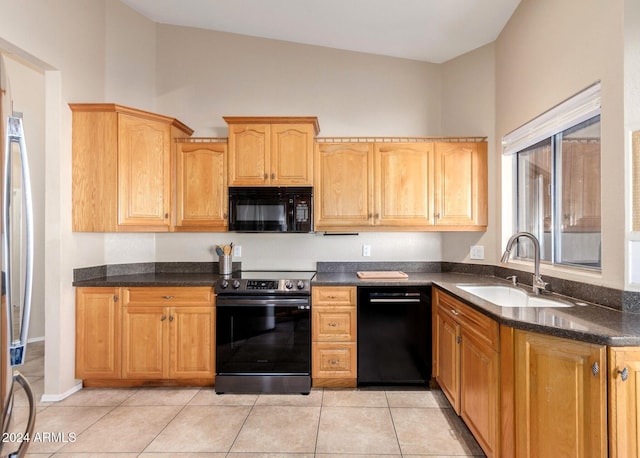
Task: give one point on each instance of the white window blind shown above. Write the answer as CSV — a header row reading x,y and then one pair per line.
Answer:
x,y
580,107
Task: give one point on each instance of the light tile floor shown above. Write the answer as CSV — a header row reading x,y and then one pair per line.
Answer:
x,y
195,422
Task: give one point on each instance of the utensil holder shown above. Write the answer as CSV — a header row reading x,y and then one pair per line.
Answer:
x,y
225,265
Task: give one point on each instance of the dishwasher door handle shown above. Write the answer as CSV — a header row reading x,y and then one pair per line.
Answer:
x,y
396,300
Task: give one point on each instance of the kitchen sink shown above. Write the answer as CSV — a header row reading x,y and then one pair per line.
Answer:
x,y
508,296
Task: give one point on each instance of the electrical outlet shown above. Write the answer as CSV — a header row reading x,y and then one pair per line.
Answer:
x,y
476,252
237,251
366,250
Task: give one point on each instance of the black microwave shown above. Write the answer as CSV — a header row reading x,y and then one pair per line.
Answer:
x,y
271,209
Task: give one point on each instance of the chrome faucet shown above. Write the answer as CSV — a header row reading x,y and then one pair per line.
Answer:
x,y
538,284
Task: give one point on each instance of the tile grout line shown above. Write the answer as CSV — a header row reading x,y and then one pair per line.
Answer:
x,y
165,426
315,448
113,407
393,422
244,422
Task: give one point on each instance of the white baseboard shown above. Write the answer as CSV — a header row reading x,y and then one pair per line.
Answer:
x,y
60,397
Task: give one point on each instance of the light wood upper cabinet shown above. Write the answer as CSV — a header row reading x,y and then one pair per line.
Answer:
x,y
461,185
343,191
624,402
271,151
412,185
121,174
201,198
560,397
144,172
404,184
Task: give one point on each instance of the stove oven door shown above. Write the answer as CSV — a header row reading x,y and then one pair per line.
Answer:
x,y
263,335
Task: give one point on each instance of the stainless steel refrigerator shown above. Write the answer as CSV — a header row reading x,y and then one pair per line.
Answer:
x,y
17,273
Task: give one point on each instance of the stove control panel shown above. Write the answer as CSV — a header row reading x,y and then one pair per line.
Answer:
x,y
262,284
291,286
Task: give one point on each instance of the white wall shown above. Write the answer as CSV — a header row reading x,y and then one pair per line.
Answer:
x,y
549,51
468,108
78,44
204,75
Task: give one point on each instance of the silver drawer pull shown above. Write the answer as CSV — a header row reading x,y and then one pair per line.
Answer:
x,y
167,297
455,312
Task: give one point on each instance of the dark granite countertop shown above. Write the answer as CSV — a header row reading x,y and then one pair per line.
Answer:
x,y
588,323
152,279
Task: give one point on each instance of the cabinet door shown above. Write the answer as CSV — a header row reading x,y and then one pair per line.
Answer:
x,y
98,318
403,184
201,187
291,155
624,401
249,154
145,342
479,388
461,185
144,188
191,342
343,187
447,356
560,395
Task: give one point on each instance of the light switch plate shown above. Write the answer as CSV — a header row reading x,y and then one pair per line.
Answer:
x,y
366,250
476,252
237,251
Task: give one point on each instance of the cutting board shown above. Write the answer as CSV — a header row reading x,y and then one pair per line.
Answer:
x,y
382,274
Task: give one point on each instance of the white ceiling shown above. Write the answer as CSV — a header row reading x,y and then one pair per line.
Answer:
x,y
426,30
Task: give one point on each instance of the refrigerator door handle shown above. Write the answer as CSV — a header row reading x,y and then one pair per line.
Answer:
x,y
22,449
15,134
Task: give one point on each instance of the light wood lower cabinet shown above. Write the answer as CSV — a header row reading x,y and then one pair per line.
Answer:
x,y
145,334
334,351
98,328
624,402
560,397
466,366
168,342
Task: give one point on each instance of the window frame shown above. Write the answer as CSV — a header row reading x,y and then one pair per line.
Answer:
x,y
549,127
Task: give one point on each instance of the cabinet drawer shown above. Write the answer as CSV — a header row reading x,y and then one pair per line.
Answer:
x,y
334,360
334,295
334,324
483,327
174,296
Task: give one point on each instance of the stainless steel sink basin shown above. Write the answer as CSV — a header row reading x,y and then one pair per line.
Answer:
x,y
508,296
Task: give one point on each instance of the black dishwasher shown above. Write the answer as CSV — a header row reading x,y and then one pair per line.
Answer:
x,y
394,335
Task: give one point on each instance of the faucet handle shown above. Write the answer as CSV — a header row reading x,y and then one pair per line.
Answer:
x,y
539,285
514,279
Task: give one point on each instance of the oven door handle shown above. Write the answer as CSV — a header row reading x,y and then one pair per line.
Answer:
x,y
262,302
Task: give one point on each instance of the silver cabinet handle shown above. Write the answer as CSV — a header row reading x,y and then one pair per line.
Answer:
x,y
167,297
624,374
595,369
455,312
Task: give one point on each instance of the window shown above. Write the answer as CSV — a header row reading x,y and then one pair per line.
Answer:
x,y
556,160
